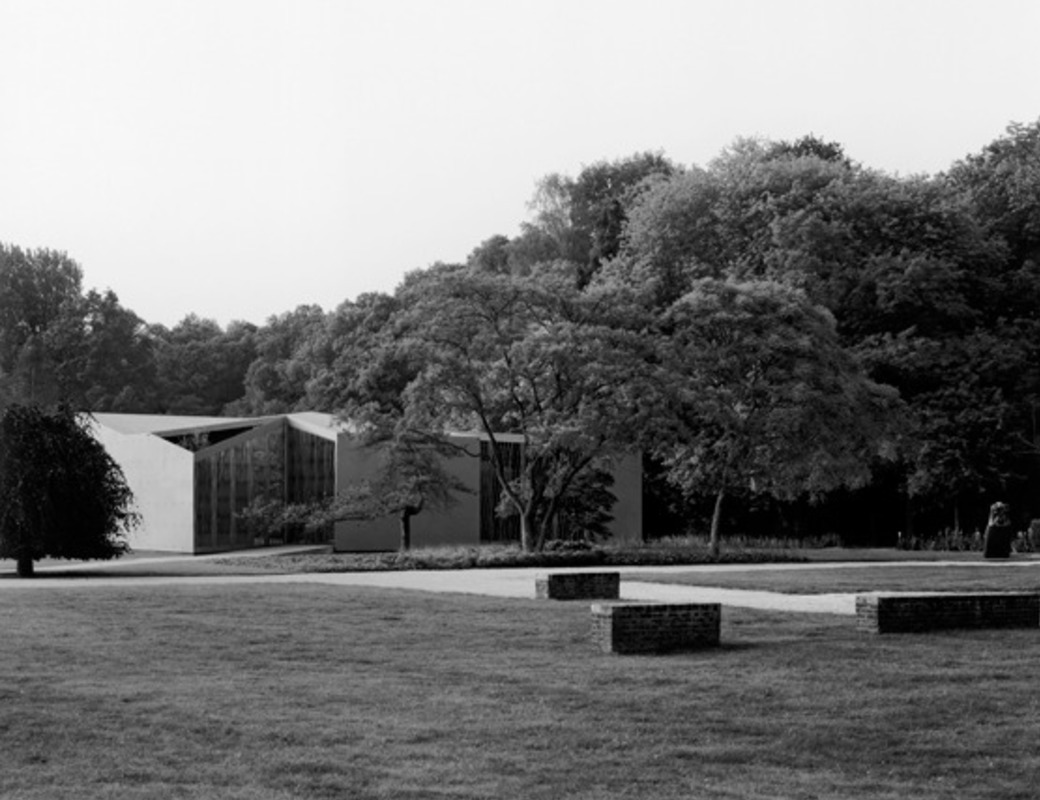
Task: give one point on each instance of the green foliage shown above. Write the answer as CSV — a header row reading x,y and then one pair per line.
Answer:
x,y
60,345
533,357
200,366
61,495
556,553
102,356
672,237
761,397
933,284
412,475
276,380
364,374
1002,183
809,146
293,523
582,220
357,359
34,287
584,512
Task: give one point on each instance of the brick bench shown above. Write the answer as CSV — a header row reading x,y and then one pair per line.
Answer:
x,y
578,586
906,613
655,627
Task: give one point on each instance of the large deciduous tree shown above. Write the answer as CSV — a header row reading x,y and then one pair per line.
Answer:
x,y
760,397
532,357
1000,185
922,274
352,363
61,494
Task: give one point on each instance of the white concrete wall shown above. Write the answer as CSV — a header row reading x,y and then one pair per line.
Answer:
x,y
161,476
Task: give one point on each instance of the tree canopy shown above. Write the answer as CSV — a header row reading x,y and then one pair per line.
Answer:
x,y
762,398
559,335
534,358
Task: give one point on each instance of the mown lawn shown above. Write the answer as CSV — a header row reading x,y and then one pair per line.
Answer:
x,y
265,691
982,577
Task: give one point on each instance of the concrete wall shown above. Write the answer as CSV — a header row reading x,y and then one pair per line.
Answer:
x,y
161,476
459,524
627,525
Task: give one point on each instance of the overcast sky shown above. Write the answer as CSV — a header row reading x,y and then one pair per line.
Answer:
x,y
237,158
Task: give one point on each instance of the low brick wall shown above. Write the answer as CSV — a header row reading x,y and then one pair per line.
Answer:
x,y
655,627
894,613
578,586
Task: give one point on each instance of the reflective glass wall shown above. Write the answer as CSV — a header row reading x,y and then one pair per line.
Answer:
x,y
232,474
311,464
493,526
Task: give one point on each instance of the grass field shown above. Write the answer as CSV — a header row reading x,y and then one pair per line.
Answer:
x,y
264,692
916,577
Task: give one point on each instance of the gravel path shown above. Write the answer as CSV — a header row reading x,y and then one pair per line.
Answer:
x,y
516,583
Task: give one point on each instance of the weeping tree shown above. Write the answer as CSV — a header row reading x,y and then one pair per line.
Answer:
x,y
61,494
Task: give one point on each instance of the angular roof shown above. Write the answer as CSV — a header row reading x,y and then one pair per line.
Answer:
x,y
165,424
177,425
180,425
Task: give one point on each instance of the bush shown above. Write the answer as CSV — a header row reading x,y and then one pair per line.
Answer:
x,y
664,553
1034,536
946,540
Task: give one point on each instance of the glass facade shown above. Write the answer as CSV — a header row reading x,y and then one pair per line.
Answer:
x,y
493,526
312,467
270,463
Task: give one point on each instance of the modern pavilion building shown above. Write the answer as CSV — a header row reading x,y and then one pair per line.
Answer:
x,y
192,476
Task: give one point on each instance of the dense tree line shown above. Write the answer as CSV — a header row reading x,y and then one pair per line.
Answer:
x,y
833,347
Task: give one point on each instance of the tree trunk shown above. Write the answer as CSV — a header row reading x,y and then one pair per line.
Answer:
x,y
26,568
526,540
406,530
713,543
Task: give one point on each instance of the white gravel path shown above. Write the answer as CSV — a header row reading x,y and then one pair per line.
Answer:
x,y
516,583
